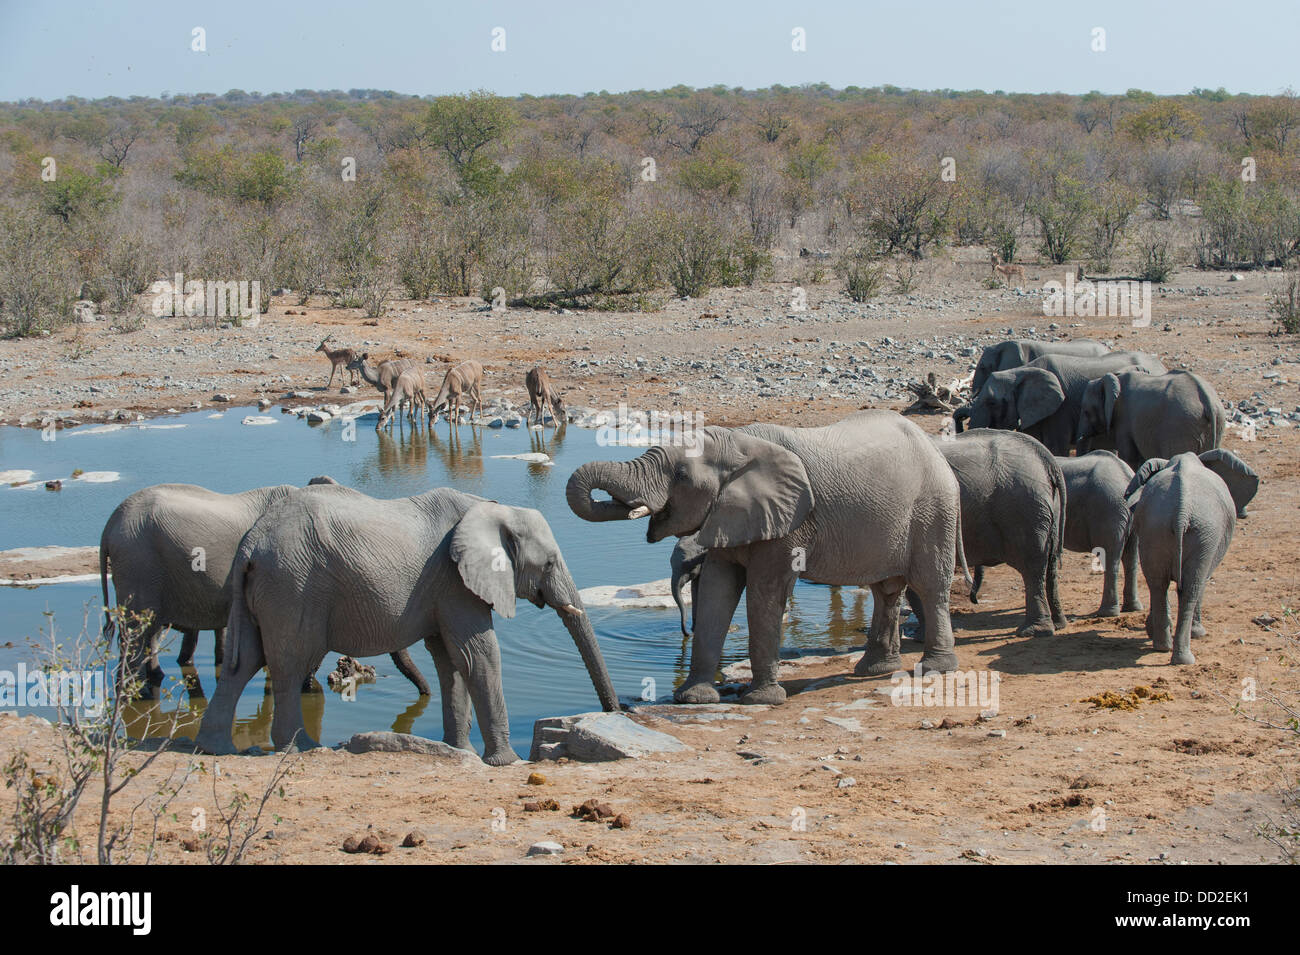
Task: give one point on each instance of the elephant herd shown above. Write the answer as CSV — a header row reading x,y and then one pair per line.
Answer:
x,y
291,573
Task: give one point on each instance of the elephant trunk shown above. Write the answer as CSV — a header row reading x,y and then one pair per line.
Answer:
x,y
625,481
679,578
959,417
584,637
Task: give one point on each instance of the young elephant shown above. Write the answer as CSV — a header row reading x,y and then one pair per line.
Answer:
x,y
865,500
1013,507
1183,516
1021,351
1043,398
170,548
1151,416
328,568
1099,518
687,560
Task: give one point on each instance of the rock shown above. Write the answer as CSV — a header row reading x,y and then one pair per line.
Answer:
x,y
349,668
536,779
598,737
997,734
543,805
370,844
413,838
263,404
844,723
384,742
223,397
545,849
621,821
318,416
592,811
845,782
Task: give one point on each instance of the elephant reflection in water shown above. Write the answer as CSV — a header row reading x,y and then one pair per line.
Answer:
x,y
460,460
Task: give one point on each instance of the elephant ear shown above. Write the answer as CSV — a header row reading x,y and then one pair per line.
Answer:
x,y
1149,469
1110,394
1242,481
765,494
322,479
1022,349
483,549
1038,394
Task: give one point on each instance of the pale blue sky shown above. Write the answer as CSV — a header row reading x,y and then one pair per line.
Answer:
x,y
54,48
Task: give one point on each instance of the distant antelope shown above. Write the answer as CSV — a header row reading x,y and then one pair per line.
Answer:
x,y
463,379
541,392
1006,271
338,357
385,375
408,389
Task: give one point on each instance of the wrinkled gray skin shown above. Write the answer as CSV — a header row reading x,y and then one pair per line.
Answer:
x,y
866,500
1151,416
149,543
1183,518
687,560
1099,517
1013,507
328,568
1043,398
1021,351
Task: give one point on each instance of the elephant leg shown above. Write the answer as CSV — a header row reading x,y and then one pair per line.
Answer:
x,y
406,666
290,673
1189,599
455,696
882,653
977,581
1054,592
1038,615
914,601
149,674
1158,628
931,578
769,595
219,646
219,718
189,641
473,649
721,584
1198,628
1110,582
1129,559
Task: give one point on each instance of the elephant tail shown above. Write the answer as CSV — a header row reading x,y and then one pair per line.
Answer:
x,y
961,559
103,584
242,636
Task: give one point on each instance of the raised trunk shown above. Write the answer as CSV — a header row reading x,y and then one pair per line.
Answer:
x,y
618,478
959,417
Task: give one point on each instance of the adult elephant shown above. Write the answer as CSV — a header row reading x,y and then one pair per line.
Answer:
x,y
1151,416
1043,398
1099,519
170,548
1021,351
865,500
1013,506
1183,516
328,568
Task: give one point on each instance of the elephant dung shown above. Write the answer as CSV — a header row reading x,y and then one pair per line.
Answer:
x,y
598,737
406,743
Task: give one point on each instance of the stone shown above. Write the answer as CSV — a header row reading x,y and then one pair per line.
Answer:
x,y
545,849
413,838
385,742
223,397
844,723
318,416
598,737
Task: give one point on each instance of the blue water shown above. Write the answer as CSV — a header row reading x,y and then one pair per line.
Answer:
x,y
543,673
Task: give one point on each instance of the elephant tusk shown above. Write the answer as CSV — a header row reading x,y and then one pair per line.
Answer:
x,y
571,609
638,512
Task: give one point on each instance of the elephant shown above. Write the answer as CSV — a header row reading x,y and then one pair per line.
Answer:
x,y
329,568
1099,518
170,547
1151,416
1042,398
865,500
687,561
1183,516
1013,507
1021,351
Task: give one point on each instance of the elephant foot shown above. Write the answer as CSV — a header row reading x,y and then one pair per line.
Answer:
x,y
1036,630
878,667
1162,646
1198,631
501,757
771,694
697,693
1182,659
215,745
1110,611
938,662
1132,606
1060,623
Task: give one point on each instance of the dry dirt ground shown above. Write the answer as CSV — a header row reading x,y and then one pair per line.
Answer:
x,y
1049,778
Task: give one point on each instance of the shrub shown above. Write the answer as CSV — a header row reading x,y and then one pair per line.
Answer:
x,y
864,276
36,293
1284,301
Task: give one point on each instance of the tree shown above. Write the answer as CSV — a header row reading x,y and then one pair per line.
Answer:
x,y
464,126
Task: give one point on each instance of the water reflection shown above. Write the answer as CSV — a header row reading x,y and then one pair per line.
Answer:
x,y
460,458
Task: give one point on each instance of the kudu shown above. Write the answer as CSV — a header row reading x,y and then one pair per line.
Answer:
x,y
542,393
462,379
